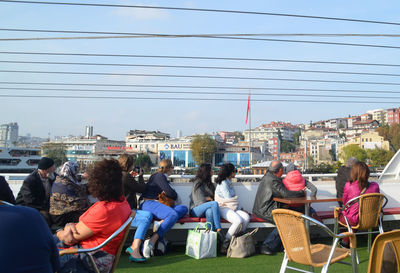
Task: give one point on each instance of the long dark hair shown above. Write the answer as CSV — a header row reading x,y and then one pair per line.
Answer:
x,y
360,172
203,175
226,170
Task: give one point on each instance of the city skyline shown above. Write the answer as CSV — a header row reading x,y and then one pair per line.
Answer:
x,y
165,78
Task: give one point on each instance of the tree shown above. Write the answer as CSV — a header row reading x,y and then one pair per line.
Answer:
x,y
390,133
296,138
353,150
55,151
379,157
238,136
287,146
203,148
143,161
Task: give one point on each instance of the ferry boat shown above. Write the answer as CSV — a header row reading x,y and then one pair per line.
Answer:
x,y
18,159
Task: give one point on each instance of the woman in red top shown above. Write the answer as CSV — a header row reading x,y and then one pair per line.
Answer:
x,y
99,221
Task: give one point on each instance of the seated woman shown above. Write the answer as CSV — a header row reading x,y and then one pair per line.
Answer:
x,y
202,197
101,220
357,186
158,184
69,198
229,204
142,218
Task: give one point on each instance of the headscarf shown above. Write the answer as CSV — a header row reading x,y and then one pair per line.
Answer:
x,y
70,170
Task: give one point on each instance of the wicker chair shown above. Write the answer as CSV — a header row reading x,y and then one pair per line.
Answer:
x,y
298,249
88,251
369,215
376,255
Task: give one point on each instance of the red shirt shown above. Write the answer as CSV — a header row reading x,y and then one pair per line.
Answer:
x,y
104,218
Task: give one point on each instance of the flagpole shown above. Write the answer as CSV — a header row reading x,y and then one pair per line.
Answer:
x,y
249,132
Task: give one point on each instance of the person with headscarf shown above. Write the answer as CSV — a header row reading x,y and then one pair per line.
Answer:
x,y
69,198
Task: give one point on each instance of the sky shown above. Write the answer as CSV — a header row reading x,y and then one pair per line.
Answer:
x,y
113,118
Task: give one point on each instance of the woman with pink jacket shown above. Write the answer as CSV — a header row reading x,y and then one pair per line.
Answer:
x,y
357,185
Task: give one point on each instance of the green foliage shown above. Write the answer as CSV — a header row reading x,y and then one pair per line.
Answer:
x,y
144,161
310,162
322,168
203,148
296,138
379,157
238,136
287,146
390,133
353,150
56,151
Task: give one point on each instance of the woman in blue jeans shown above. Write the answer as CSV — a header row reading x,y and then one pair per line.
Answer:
x,y
158,184
142,218
202,197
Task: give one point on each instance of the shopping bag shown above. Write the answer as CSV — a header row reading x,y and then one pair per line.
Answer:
x,y
242,246
201,243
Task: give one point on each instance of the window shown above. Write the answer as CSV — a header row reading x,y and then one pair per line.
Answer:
x,y
179,158
165,155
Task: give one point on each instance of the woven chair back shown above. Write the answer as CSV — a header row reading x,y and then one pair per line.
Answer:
x,y
377,251
294,235
121,246
370,206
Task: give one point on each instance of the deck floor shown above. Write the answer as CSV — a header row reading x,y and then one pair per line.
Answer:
x,y
176,261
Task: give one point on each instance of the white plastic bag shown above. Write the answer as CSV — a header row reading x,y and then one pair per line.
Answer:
x,y
201,243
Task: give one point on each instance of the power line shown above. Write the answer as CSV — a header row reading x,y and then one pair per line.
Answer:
x,y
191,93
206,67
196,58
206,87
207,37
188,99
206,10
193,76
146,35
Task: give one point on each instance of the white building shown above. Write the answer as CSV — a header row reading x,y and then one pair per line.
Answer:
x,y
8,134
268,131
141,141
86,151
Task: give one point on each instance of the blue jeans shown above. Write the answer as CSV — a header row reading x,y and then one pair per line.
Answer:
x,y
211,210
163,212
273,241
141,222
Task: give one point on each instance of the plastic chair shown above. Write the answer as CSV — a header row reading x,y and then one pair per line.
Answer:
x,y
296,241
369,215
5,203
376,255
88,251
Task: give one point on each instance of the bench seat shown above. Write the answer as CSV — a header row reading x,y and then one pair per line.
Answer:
x,y
188,222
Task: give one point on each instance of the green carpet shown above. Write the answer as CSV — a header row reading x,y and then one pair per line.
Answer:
x,y
176,261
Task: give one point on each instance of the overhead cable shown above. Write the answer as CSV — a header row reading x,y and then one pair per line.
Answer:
x,y
196,58
191,93
208,37
203,87
147,35
206,67
193,76
206,10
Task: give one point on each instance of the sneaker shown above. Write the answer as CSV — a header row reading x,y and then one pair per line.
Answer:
x,y
264,249
156,225
147,248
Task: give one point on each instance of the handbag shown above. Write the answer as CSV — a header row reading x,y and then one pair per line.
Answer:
x,y
202,243
242,246
164,199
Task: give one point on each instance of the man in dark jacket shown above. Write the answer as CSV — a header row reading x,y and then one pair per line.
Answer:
x,y
36,188
343,176
6,193
271,186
